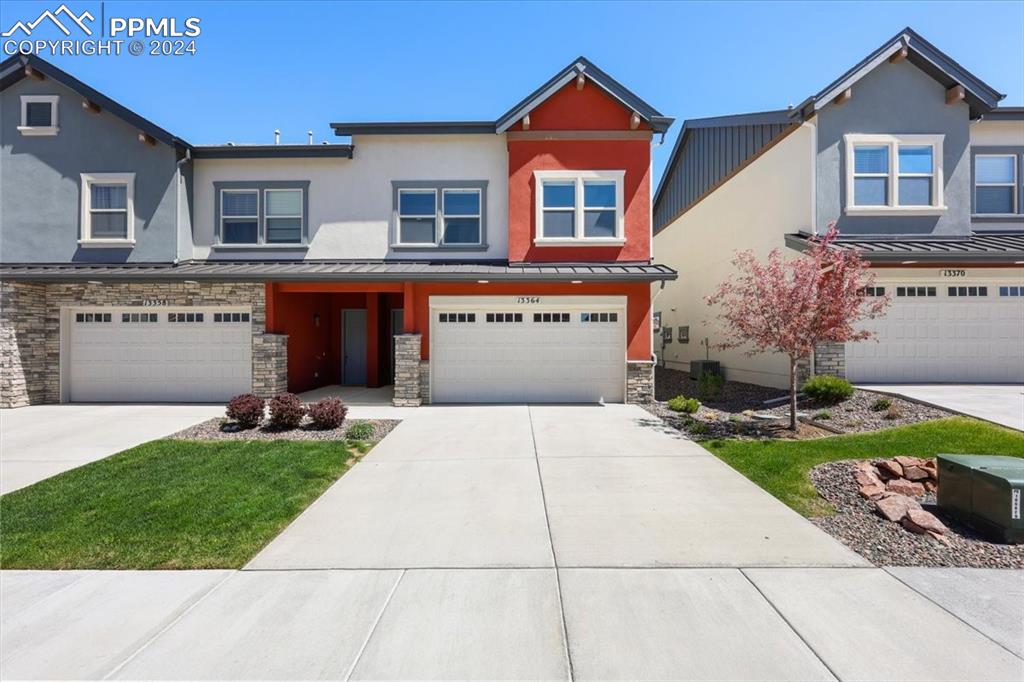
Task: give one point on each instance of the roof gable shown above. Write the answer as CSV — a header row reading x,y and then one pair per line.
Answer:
x,y
981,97
583,67
13,69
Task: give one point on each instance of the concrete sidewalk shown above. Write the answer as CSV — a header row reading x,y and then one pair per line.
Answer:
x,y
514,542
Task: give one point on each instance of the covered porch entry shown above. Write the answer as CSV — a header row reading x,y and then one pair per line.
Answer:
x,y
340,335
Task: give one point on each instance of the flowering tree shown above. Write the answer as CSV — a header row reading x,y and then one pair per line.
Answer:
x,y
789,307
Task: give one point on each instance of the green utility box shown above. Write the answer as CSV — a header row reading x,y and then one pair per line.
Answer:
x,y
984,492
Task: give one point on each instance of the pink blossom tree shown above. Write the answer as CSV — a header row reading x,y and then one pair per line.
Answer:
x,y
791,306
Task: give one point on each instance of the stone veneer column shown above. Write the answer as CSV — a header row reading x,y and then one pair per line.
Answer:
x,y
407,370
269,365
830,358
425,381
22,344
640,381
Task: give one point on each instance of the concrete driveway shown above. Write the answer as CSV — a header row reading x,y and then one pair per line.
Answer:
x,y
41,441
998,403
517,543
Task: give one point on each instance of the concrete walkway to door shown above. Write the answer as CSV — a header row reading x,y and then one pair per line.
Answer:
x,y
519,543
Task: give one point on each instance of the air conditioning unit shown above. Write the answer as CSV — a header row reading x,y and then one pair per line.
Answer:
x,y
698,368
984,492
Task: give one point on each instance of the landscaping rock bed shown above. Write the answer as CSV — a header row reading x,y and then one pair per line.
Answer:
x,y
859,525
224,429
739,411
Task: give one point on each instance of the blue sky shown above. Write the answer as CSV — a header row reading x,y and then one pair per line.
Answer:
x,y
300,65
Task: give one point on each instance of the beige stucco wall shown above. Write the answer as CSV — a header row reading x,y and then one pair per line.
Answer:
x,y
997,133
753,210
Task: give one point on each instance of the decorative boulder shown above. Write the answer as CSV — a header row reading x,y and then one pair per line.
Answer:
x,y
904,487
894,506
872,491
920,521
905,461
867,477
890,469
915,474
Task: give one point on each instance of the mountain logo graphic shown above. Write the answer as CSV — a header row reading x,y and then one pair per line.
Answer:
x,y
78,20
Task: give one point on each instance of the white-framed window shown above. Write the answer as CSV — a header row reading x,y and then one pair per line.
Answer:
x,y
461,215
574,207
417,216
39,115
239,216
283,216
894,174
995,184
108,209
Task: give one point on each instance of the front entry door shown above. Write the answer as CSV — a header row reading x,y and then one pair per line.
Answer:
x,y
353,347
397,327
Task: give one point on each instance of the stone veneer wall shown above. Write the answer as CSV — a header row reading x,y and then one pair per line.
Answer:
x,y
22,344
407,370
640,381
425,381
830,358
42,375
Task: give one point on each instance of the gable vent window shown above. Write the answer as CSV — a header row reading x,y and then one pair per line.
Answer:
x,y
39,115
915,291
968,291
894,174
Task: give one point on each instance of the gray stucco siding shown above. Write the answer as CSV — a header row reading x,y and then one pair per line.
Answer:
x,y
40,182
895,99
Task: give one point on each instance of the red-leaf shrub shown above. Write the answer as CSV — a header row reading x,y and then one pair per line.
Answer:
x,y
286,411
246,409
327,413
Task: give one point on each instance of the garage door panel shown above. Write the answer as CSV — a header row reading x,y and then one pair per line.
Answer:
x,y
143,357
527,361
943,338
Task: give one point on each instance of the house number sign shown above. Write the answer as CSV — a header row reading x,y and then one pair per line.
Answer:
x,y
153,302
527,300
953,273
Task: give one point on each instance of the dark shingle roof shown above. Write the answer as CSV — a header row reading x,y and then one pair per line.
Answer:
x,y
985,247
349,271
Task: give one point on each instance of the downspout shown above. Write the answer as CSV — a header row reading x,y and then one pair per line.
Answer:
x,y
177,199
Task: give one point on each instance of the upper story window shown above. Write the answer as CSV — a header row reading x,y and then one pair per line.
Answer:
x,y
574,207
899,174
439,214
108,212
39,115
269,214
996,184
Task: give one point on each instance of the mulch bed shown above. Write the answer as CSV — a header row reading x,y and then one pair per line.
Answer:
x,y
220,428
883,543
732,413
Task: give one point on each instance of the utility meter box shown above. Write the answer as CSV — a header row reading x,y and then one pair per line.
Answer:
x,y
984,492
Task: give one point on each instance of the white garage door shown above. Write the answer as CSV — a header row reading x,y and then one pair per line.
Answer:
x,y
547,349
158,354
927,335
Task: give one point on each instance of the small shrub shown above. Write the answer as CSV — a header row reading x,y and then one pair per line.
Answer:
x,y
327,413
286,411
735,418
697,428
709,386
881,405
823,414
893,413
360,431
828,389
246,409
683,404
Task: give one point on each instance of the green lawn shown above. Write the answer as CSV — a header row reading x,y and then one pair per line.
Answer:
x,y
167,504
783,467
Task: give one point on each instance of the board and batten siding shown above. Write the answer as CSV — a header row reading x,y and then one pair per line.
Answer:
x,y
707,156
